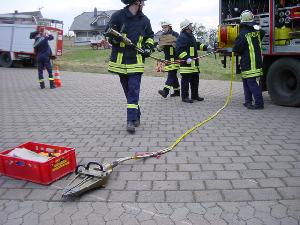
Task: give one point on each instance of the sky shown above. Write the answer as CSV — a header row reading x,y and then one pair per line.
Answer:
x,y
205,12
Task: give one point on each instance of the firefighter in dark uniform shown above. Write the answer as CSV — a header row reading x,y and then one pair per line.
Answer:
x,y
43,55
125,60
186,49
248,46
169,51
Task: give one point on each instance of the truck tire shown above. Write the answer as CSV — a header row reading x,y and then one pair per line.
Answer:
x,y
283,82
5,59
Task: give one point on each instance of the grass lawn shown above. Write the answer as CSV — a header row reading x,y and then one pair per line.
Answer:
x,y
85,59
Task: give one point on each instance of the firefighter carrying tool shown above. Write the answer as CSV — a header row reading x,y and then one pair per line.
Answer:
x,y
125,59
95,175
167,43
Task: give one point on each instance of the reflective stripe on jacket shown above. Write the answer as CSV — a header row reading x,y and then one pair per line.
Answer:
x,y
248,45
186,47
126,59
170,54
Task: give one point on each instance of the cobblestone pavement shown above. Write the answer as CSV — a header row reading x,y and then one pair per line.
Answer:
x,y
241,168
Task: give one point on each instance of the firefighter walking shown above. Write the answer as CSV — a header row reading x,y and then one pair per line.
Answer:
x,y
43,54
186,49
248,46
167,43
125,60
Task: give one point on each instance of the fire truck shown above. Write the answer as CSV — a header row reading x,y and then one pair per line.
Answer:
x,y
15,44
280,19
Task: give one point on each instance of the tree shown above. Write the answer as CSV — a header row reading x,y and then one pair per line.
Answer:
x,y
199,31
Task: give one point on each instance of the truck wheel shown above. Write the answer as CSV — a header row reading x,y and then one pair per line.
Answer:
x,y
283,82
5,60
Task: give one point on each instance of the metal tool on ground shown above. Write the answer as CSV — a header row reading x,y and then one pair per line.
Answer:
x,y
88,177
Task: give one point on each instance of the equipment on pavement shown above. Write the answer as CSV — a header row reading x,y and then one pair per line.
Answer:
x,y
95,175
57,80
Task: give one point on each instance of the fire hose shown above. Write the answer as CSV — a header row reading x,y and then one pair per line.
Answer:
x,y
95,175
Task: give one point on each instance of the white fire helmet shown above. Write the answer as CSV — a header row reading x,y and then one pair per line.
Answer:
x,y
165,23
247,17
184,24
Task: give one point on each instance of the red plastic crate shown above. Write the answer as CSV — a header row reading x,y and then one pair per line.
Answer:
x,y
42,173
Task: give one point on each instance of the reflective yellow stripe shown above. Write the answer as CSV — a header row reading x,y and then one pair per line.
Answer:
x,y
171,51
168,87
171,67
192,51
42,80
182,55
176,89
259,39
139,58
150,41
119,58
201,47
122,44
252,73
251,51
132,106
51,78
139,44
184,70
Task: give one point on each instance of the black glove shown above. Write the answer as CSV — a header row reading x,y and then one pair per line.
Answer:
x,y
147,52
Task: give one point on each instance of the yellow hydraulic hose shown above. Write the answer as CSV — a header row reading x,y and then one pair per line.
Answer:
x,y
178,140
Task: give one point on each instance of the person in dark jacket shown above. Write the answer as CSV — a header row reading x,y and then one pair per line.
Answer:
x,y
186,49
248,46
167,44
125,60
43,55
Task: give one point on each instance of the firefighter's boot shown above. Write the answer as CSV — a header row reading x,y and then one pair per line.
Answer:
x,y
130,127
137,122
52,85
42,85
175,94
164,93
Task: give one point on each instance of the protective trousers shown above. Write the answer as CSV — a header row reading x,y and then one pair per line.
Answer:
x,y
172,80
131,86
191,79
44,63
251,87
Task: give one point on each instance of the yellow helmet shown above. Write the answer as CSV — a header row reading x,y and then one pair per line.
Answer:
x,y
184,24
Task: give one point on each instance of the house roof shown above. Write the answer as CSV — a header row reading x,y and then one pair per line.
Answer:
x,y
85,20
36,14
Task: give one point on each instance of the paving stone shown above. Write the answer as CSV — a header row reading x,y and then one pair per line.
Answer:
x,y
122,196
218,184
38,194
18,194
208,196
179,196
151,196
265,194
290,192
191,185
165,185
236,195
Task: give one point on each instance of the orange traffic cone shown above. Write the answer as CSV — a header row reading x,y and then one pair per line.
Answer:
x,y
57,80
